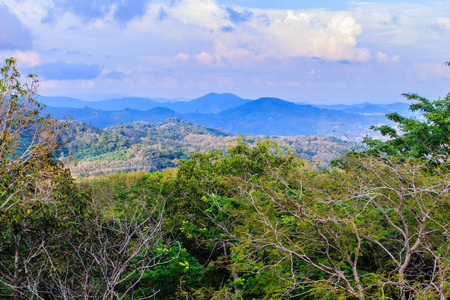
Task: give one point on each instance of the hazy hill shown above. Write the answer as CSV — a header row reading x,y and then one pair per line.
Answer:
x,y
105,105
366,108
271,116
125,103
102,118
210,103
400,107
370,108
62,101
265,116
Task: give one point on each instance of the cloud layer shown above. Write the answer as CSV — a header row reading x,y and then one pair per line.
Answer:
x,y
67,71
189,47
91,10
13,34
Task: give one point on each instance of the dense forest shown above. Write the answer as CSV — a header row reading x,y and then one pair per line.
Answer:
x,y
252,221
143,146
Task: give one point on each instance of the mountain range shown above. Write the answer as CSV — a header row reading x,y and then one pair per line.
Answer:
x,y
264,116
210,103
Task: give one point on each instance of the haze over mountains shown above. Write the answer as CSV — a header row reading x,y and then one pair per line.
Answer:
x,y
264,116
210,103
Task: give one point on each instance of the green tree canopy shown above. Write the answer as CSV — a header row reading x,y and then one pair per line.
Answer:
x,y
426,136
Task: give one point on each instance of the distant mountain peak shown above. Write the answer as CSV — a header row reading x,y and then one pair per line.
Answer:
x,y
219,94
270,101
217,97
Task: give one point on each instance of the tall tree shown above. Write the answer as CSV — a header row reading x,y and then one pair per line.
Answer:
x,y
28,140
427,136
55,243
375,230
28,168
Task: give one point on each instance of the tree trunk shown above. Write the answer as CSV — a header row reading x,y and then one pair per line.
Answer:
x,y
16,271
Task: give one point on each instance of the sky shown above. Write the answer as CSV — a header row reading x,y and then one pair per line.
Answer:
x,y
318,52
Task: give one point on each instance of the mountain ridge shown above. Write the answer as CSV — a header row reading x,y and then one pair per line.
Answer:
x,y
264,116
210,103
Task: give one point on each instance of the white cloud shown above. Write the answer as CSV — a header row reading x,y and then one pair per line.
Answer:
x,y
195,44
182,57
430,71
27,58
204,13
62,87
403,24
382,57
205,58
49,85
233,56
30,12
321,34
327,36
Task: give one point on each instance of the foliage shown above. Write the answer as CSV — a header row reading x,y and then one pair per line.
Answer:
x,y
251,221
205,207
54,242
29,178
426,137
260,223
121,196
378,230
374,230
28,139
142,146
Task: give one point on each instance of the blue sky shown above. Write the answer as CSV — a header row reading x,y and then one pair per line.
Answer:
x,y
313,51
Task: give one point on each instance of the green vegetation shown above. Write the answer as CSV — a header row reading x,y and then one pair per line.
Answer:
x,y
136,146
252,221
428,138
266,225
154,147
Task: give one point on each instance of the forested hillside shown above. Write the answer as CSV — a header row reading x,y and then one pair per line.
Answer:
x,y
153,147
253,221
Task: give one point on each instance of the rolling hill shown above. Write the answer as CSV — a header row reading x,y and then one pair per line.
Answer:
x,y
153,147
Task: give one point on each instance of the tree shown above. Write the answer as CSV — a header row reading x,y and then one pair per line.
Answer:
x,y
28,167
205,207
28,140
278,228
155,265
376,230
428,137
55,243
